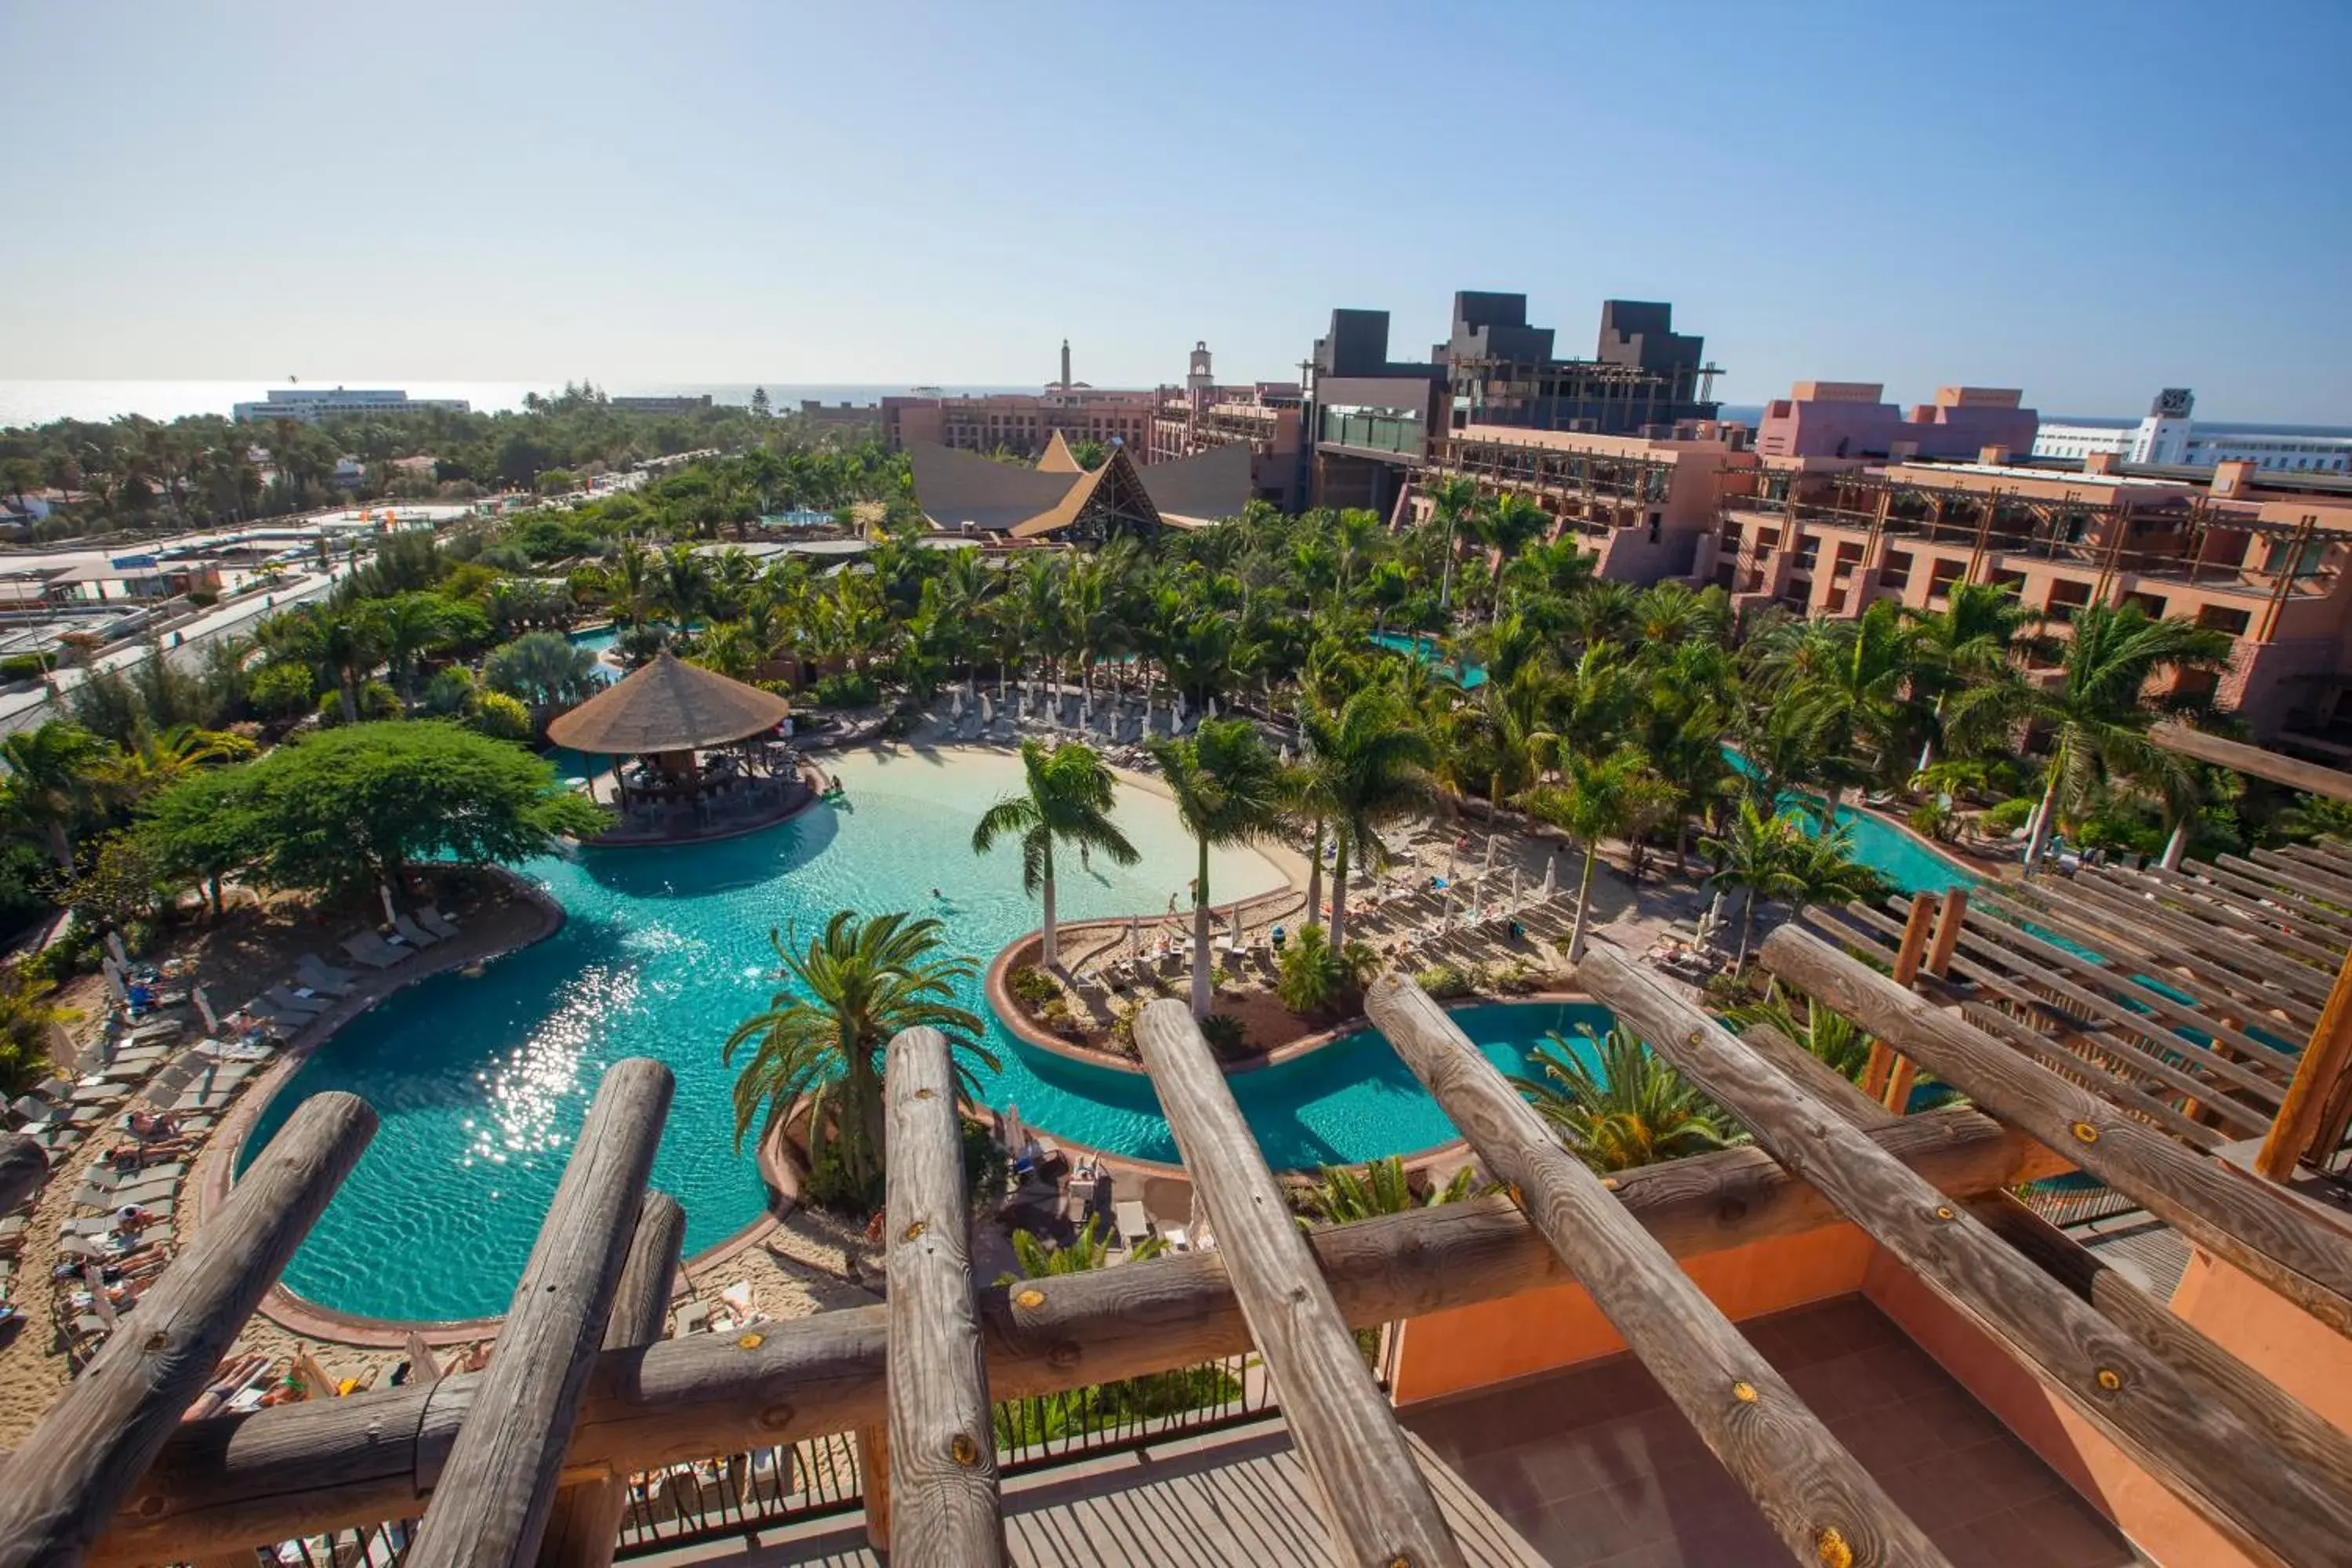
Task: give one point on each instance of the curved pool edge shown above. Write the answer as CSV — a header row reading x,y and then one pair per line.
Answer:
x,y
216,1173
1414,1161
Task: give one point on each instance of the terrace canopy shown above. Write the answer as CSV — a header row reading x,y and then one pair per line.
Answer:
x,y
668,706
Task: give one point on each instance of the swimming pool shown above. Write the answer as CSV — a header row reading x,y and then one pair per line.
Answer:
x,y
1909,865
1469,677
482,1083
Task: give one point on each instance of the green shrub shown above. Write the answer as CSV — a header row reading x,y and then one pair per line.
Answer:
x,y
23,667
1226,1035
380,702
2008,815
1313,980
203,598
845,689
1032,987
1443,982
448,695
282,690
500,717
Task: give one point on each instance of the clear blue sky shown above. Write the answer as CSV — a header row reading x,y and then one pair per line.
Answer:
x,y
2087,200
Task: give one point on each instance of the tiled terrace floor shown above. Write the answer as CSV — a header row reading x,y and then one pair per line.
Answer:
x,y
1594,1466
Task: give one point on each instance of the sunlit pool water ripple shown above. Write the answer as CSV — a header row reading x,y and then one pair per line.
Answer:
x,y
481,1083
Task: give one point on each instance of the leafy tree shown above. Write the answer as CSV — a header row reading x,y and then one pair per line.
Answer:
x,y
1065,799
502,718
1758,855
1368,760
27,1018
118,887
201,830
1616,796
1229,789
350,806
1314,976
285,691
860,982
1635,1109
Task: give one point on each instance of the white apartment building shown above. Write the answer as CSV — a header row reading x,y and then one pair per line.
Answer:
x,y
312,404
2168,437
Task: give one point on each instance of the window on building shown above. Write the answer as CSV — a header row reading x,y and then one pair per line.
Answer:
x,y
2220,618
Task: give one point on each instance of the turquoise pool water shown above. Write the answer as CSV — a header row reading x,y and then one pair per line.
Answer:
x,y
482,1083
1469,677
1909,865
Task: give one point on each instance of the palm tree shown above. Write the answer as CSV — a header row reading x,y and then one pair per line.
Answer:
x,y
2097,715
1856,687
55,777
1840,1042
1519,738
1450,501
859,983
1089,1250
1635,1109
1506,523
1368,760
1615,796
1970,639
1758,855
154,762
545,670
1067,798
1228,787
1342,1194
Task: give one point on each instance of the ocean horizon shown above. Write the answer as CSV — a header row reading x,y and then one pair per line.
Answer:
x,y
37,402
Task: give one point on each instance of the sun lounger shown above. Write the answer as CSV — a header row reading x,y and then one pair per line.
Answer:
x,y
373,950
1134,1222
413,934
433,921
321,975
692,1319
286,1001
96,1195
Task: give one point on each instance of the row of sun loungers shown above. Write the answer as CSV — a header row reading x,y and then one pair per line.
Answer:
x,y
411,935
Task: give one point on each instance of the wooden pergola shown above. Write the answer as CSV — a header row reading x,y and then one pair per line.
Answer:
x,y
526,1460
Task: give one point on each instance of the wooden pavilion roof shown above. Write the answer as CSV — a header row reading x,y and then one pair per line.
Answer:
x,y
667,705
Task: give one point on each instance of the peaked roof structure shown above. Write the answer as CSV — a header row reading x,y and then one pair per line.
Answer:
x,y
959,489
668,706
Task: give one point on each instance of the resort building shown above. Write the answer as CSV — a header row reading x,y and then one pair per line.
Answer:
x,y
1372,418
1852,419
1263,416
2267,566
1020,421
2169,438
1058,500
311,404
1642,505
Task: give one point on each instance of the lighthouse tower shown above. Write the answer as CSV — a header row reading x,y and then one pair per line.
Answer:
x,y
1200,382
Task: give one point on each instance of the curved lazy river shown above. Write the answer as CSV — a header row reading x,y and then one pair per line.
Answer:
x,y
481,1083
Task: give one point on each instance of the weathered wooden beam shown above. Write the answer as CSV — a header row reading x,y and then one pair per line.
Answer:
x,y
491,1505
1375,1499
1821,1503
943,1502
586,1524
2245,879
298,1469
2254,761
2209,942
1918,924
24,1165
2326,1060
1817,1077
74,1470
2010,931
2200,1449
2320,883
2111,1055
2302,1258
2200,899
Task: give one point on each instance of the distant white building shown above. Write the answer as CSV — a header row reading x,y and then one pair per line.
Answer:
x,y
310,404
2168,437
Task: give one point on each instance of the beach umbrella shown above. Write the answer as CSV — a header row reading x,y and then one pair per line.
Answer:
x,y
1489,864
424,1372
1445,916
1237,922
114,946
1212,707
955,705
1449,864
391,915
1179,706
1714,912
987,709
1287,758
205,1006
95,1278
113,972
1515,889
1135,936
1551,874
1015,1135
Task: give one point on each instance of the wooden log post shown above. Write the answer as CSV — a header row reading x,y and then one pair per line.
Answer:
x,y
1377,1503
1916,927
1949,914
491,1504
2326,1058
586,1524
943,1503
77,1465
2200,1449
2237,1219
231,1481
1821,1503
24,1165
874,1483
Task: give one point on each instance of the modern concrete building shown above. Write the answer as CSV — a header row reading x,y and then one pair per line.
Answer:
x,y
1023,422
2169,438
1371,419
2268,565
1852,419
311,404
